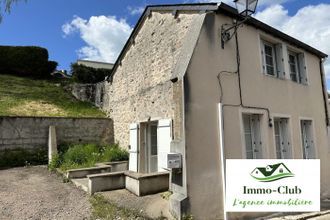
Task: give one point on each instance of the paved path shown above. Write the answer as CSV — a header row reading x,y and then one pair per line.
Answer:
x,y
34,193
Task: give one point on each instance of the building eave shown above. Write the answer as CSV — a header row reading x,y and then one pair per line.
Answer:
x,y
217,8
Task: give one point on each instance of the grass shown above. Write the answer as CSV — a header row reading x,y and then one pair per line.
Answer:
x,y
30,97
103,209
86,155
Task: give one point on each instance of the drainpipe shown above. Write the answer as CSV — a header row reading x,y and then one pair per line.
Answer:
x,y
324,92
222,159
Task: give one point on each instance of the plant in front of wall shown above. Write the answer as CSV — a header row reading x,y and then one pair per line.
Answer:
x,y
72,156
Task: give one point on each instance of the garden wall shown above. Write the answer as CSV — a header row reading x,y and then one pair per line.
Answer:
x,y
32,132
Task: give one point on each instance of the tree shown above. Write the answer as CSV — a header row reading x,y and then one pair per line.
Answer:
x,y
5,6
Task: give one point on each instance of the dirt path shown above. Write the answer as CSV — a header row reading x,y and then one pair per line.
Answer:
x,y
34,193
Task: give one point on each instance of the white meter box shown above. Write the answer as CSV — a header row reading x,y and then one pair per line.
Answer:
x,y
174,161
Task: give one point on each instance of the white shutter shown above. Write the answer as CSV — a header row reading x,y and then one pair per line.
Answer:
x,y
279,61
285,142
302,68
255,124
133,151
262,46
310,141
164,138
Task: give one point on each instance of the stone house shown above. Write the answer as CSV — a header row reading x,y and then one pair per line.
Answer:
x,y
166,87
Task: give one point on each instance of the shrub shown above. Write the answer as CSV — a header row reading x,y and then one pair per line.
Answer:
x,y
114,153
86,155
84,74
26,61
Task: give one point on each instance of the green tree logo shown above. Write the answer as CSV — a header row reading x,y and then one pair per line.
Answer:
x,y
271,173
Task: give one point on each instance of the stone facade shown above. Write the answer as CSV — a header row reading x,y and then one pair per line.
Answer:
x,y
141,87
31,132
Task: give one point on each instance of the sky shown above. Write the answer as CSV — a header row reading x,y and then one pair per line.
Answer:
x,y
98,29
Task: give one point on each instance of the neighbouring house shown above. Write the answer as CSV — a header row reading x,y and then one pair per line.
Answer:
x,y
166,87
95,64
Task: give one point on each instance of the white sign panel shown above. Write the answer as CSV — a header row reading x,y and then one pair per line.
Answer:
x,y
272,185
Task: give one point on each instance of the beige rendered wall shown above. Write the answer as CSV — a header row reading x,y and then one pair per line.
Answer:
x,y
284,98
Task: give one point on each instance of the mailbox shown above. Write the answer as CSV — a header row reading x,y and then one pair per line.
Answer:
x,y
174,161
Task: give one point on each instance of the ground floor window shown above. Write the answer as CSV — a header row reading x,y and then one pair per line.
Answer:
x,y
252,136
282,138
307,139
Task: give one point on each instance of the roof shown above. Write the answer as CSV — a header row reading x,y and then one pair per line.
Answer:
x,y
217,8
92,61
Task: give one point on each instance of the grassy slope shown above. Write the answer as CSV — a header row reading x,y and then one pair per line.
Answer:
x,y
29,97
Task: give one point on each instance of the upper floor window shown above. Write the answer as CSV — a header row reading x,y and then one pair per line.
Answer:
x,y
272,59
297,67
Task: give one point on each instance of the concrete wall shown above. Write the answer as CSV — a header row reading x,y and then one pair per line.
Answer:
x,y
30,132
284,98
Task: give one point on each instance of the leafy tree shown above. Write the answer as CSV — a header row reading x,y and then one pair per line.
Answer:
x,y
5,6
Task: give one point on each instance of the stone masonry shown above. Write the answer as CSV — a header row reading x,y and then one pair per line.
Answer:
x,y
141,86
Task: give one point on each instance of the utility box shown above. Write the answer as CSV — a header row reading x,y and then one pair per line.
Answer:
x,y
174,161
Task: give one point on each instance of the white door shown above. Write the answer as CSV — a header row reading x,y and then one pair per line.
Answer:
x,y
133,149
164,138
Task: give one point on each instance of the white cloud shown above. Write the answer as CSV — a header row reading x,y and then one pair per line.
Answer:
x,y
135,10
105,36
310,24
261,3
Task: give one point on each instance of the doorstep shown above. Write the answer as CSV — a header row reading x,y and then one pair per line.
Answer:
x,y
145,184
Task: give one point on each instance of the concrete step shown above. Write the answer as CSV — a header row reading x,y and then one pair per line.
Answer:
x,y
81,183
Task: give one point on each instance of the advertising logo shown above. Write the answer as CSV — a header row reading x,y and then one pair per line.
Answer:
x,y
271,172
272,185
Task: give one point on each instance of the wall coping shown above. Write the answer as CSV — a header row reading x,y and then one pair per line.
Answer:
x,y
52,117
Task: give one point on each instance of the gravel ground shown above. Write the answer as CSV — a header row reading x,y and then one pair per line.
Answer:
x,y
35,193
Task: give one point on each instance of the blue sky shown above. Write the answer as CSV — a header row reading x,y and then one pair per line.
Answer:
x,y
72,29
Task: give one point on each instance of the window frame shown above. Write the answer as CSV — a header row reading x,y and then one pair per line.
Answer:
x,y
283,137
301,65
265,43
253,135
297,68
312,133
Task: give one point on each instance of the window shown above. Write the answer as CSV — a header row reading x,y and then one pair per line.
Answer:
x,y
297,67
307,139
269,58
282,142
252,136
153,139
272,59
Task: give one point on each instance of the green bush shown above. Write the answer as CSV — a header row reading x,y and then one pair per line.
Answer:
x,y
84,74
86,155
26,61
114,153
23,157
